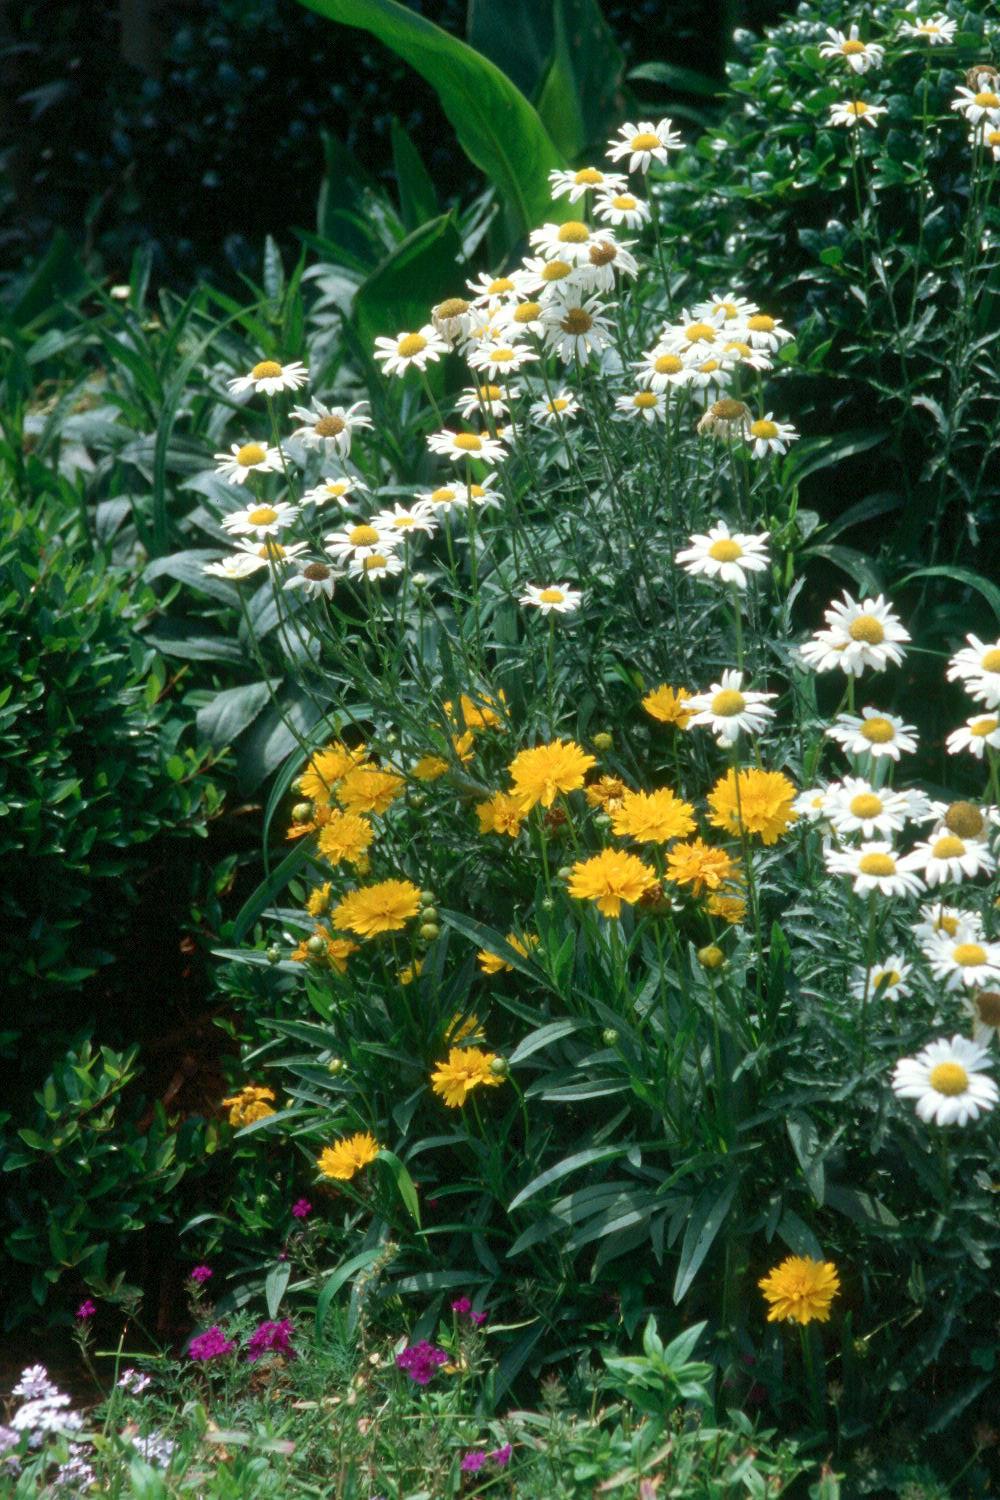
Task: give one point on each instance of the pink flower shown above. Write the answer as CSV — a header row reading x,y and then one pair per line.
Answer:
x,y
271,1338
473,1461
462,1306
211,1344
420,1361
501,1456
302,1209
201,1274
86,1310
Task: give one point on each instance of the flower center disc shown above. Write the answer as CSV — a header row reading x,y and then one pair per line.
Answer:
x,y
262,515
851,48
443,496
865,805
646,140
266,370
589,175
375,561
725,550
866,628
556,270
573,232
991,661
316,572
411,344
728,703
948,848
669,364
468,441
988,1007
763,429
552,596
949,1078
362,536
527,312
877,864
987,99
982,727
969,955
700,333
603,254
452,307
329,426
624,201
250,454
502,356
644,400
577,321
760,323
501,284
877,731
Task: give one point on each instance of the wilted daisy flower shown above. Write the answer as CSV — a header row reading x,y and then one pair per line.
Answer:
x,y
497,358
727,708
338,490
245,459
621,207
262,519
488,398
963,961
359,539
948,1081
855,112
397,355
464,445
644,143
765,436
375,565
761,331
487,289
554,598
728,556
452,320
606,261
988,137
858,635
330,428
936,920
873,733
947,859
404,519
660,368
983,1009
315,580
270,378
236,566
854,806
938,30
978,104
556,408
859,56
647,406
576,327
726,419
979,731
978,666
875,867
576,184
887,980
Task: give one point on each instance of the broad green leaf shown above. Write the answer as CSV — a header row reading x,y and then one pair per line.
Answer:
x,y
275,1286
581,99
231,711
404,1184
264,895
399,295
707,1217
496,126
682,80
964,576
337,1279
418,199
563,1169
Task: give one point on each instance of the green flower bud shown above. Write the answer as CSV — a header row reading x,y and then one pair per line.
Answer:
x,y
317,946
564,872
499,1067
429,914
711,957
302,812
429,931
335,1065
603,741
427,898
273,954
609,1037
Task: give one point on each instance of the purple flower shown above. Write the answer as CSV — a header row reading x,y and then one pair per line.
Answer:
x,y
302,1209
201,1274
86,1310
478,1318
473,1461
501,1456
462,1306
420,1361
210,1345
271,1338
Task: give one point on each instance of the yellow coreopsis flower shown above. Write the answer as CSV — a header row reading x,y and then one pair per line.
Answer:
x,y
653,817
326,768
318,900
411,972
344,1159
386,907
251,1103
473,715
607,793
666,704
800,1290
335,954
731,908
466,1068
700,866
491,963
501,814
344,838
609,878
753,801
539,775
429,768
368,789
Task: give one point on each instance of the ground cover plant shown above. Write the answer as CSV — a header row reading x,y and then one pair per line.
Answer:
x,y
631,950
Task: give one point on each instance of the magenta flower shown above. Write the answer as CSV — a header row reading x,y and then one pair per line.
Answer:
x,y
211,1344
271,1338
462,1306
473,1461
302,1209
86,1310
421,1361
501,1456
201,1274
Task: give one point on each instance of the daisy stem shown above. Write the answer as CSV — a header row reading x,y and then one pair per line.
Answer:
x,y
654,215
869,966
550,652
993,791
737,624
431,398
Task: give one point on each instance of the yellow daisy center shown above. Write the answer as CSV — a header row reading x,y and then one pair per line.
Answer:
x,y
948,848
969,955
982,727
993,138
588,175
763,429
760,323
443,496
852,47
527,312
329,426
624,201
991,660
878,731
946,924
948,1078
646,140
928,28
858,107
725,550
877,864
736,347
887,978
490,393
728,703
476,491
558,404
250,454
271,549
262,515
576,321
644,400
556,270
573,232
552,596
338,487
669,364
728,308
709,366
865,805
375,561
411,344
502,356
866,628
266,370
468,442
362,536
452,307
987,99
700,333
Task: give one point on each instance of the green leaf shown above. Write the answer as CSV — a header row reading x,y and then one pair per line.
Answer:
x,y
563,1169
682,80
423,270
404,1184
188,640
707,1217
275,1285
264,895
496,126
337,1279
535,1040
581,97
965,576
488,938
805,1143
418,199
232,711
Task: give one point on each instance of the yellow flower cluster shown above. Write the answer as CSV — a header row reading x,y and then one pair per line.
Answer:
x,y
250,1104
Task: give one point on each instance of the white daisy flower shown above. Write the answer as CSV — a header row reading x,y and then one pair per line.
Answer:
x,y
874,866
858,635
978,104
887,980
330,428
761,331
936,920
963,961
557,598
727,708
978,666
606,260
488,399
360,539
405,519
979,731
586,179
270,551
270,378
765,436
521,318
460,446
715,372
660,368
621,207
948,1081
375,565
988,138
644,143
569,242
315,579
645,405
854,806
728,556
263,518
481,493
453,320
810,804
245,459
500,289
340,490
873,733
234,567
745,354
947,859
498,358
549,278
407,350
983,1010
729,309
937,30
576,327
859,56
558,408
694,333
854,112
443,500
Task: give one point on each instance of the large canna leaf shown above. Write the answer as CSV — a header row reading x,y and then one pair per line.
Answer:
x,y
496,126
